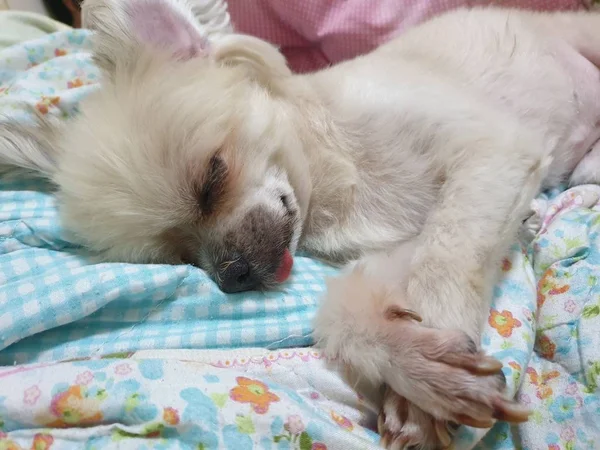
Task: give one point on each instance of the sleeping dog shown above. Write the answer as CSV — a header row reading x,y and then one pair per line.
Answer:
x,y
417,162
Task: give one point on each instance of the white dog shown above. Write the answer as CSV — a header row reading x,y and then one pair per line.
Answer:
x,y
422,157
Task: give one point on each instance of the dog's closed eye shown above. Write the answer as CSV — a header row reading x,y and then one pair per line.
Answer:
x,y
213,185
285,201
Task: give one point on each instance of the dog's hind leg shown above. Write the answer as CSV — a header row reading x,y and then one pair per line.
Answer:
x,y
588,169
580,29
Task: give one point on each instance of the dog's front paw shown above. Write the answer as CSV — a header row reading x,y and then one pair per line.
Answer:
x,y
403,425
444,373
377,334
451,382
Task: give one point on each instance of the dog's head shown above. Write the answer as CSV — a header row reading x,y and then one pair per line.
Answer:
x,y
188,152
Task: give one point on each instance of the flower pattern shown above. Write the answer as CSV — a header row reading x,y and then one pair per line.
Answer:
x,y
31,395
549,285
562,408
75,83
171,416
294,425
84,378
122,369
544,390
254,392
42,441
207,408
7,444
570,306
572,389
567,434
342,421
75,406
296,436
47,102
547,347
503,322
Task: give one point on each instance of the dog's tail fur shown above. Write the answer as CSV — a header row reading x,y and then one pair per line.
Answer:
x,y
30,146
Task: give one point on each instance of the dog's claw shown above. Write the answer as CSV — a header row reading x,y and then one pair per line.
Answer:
x,y
475,423
441,429
512,412
476,363
394,313
385,439
485,365
380,424
504,410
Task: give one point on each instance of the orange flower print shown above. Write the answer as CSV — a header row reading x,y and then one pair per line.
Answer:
x,y
253,392
6,444
75,83
547,347
515,365
171,416
559,289
42,442
543,389
541,298
548,286
46,103
506,265
74,407
60,52
503,322
342,421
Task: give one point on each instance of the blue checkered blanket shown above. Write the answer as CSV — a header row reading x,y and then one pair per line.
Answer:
x,y
54,304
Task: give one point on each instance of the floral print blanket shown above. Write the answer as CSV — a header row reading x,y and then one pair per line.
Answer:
x,y
544,326
182,400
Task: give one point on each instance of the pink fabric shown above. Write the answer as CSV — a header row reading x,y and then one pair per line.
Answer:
x,y
315,33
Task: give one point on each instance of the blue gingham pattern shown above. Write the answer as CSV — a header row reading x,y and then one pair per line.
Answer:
x,y
56,305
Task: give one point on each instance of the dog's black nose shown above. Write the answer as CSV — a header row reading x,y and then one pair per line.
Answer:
x,y
236,276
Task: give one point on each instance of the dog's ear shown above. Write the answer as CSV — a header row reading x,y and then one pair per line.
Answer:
x,y
263,62
126,29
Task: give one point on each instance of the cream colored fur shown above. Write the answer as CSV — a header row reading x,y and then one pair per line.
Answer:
x,y
419,160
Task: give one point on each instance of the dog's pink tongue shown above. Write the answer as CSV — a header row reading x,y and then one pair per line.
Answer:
x,y
285,268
